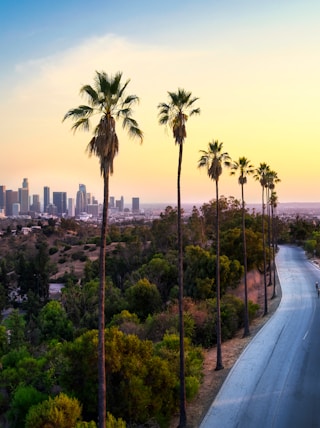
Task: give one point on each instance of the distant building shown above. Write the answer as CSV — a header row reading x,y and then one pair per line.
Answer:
x,y
120,204
71,208
24,197
46,198
60,201
16,209
111,202
11,198
93,209
52,210
3,199
81,199
135,205
35,206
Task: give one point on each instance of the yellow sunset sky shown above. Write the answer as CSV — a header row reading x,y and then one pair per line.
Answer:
x,y
255,67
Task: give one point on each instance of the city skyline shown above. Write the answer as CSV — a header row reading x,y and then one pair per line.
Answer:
x,y
61,200
253,66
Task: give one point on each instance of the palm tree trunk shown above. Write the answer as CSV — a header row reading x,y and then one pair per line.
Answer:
x,y
246,331
183,413
274,294
264,258
101,327
269,236
219,365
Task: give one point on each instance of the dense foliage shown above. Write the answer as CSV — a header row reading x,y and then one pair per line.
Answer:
x,y
48,347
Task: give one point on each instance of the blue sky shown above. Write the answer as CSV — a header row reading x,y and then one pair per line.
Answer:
x,y
254,66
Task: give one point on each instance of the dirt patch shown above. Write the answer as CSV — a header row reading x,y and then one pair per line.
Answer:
x,y
231,350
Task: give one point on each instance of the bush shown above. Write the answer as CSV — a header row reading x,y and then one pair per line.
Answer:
x,y
23,398
53,250
61,411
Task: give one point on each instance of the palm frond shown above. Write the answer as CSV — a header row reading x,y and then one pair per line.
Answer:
x,y
91,94
81,123
78,112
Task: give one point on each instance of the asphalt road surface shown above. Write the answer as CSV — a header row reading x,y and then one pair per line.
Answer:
x,y
276,381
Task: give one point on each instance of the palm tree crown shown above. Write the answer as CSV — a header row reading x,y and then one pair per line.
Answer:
x,y
176,113
244,167
262,174
107,99
214,159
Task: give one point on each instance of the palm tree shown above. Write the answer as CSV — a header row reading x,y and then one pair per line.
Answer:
x,y
214,159
273,203
244,167
175,113
261,175
272,179
107,101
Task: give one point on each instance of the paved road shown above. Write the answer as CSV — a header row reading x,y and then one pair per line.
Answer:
x,y
276,381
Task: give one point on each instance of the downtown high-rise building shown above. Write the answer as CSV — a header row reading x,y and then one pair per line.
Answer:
x,y
71,208
60,201
35,205
11,198
120,204
81,199
46,198
135,205
3,199
24,197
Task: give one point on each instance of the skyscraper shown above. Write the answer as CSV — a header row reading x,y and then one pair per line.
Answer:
x,y
60,201
71,209
135,205
120,204
3,199
11,198
81,201
46,198
24,197
35,206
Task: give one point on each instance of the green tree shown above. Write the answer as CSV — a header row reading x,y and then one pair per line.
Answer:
x,y
53,322
107,99
23,398
261,175
60,411
175,113
213,160
16,325
161,272
244,168
143,298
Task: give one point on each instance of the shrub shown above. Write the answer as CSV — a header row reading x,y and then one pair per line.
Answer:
x,y
61,411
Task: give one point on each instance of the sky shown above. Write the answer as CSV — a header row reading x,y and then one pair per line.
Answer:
x,y
255,67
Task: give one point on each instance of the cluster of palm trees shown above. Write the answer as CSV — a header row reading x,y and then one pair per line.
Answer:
x,y
214,159
107,99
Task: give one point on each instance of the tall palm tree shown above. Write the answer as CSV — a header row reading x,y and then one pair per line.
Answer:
x,y
261,175
244,167
273,203
214,159
108,102
175,113
272,180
